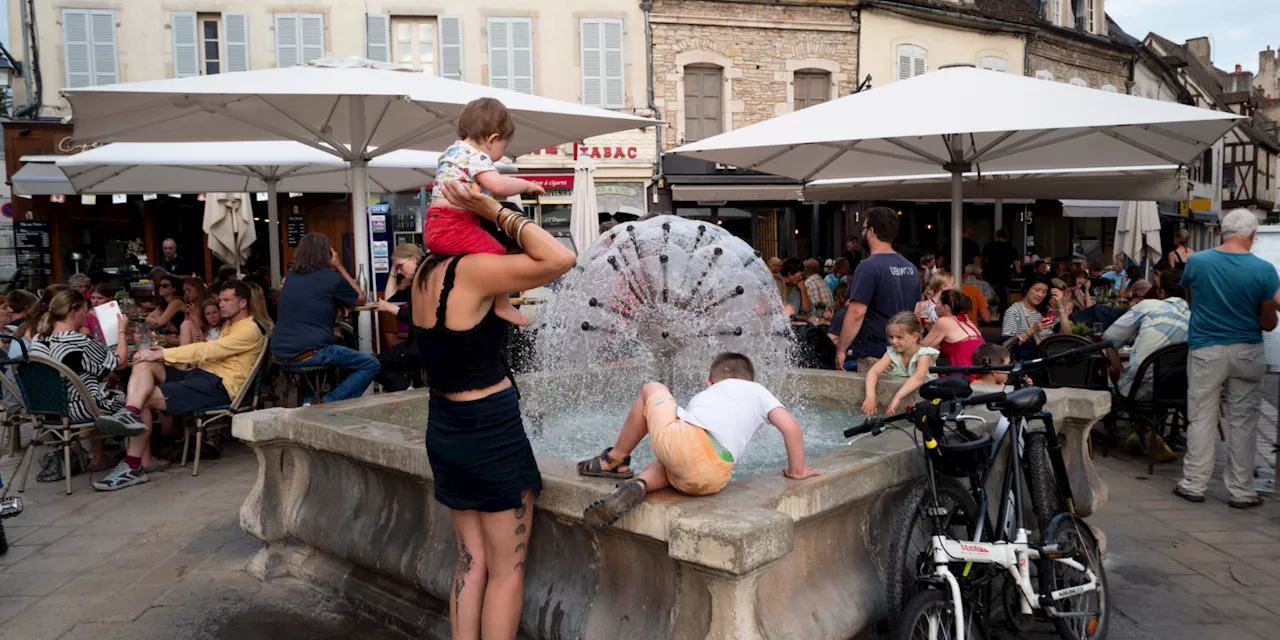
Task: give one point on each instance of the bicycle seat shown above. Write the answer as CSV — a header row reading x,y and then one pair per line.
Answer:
x,y
948,388
1023,401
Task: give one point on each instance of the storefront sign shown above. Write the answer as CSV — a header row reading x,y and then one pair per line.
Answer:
x,y
381,257
378,223
31,238
65,146
297,227
551,182
381,208
598,152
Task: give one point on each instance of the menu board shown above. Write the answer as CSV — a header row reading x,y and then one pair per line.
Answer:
x,y
297,227
31,239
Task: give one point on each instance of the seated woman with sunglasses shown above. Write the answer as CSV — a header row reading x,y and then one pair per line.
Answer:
x,y
171,309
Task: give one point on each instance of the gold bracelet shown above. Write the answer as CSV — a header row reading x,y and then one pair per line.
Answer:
x,y
503,216
512,223
520,231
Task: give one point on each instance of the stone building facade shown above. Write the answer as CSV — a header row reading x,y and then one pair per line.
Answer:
x,y
758,50
1079,59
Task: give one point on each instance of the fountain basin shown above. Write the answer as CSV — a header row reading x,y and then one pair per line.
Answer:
x,y
343,499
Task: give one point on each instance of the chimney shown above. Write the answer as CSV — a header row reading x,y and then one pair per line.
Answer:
x,y
1199,49
1239,69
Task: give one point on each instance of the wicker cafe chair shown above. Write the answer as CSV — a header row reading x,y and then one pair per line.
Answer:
x,y
1080,375
46,392
246,400
14,416
1166,406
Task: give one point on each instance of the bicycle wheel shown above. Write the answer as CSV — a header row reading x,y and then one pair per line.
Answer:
x,y
930,615
1087,614
909,548
1046,500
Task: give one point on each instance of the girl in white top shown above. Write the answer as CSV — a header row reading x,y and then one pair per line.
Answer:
x,y
903,358
927,309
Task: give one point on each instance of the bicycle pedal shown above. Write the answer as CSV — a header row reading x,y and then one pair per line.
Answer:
x,y
1055,550
10,507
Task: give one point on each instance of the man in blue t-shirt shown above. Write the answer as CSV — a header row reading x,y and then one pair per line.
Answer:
x,y
309,299
884,284
1233,295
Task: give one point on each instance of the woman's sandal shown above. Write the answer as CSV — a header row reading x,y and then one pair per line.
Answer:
x,y
608,510
603,466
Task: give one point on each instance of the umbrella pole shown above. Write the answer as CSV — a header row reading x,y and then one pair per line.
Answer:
x,y
957,215
273,229
360,214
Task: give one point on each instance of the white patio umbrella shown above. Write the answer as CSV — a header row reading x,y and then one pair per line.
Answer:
x,y
989,122
255,167
1138,233
353,108
1157,183
584,224
228,220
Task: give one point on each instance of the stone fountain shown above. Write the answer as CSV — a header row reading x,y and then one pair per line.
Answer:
x,y
343,497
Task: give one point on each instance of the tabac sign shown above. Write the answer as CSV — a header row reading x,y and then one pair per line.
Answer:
x,y
630,148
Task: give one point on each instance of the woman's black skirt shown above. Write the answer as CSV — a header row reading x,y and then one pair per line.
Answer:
x,y
479,453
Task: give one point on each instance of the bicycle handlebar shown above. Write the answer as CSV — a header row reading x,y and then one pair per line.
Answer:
x,y
876,425
1026,366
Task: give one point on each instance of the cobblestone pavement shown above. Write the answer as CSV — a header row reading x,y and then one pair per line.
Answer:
x,y
163,561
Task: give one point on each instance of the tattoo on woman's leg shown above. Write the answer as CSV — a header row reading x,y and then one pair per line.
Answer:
x,y
520,511
520,529
519,566
462,571
520,547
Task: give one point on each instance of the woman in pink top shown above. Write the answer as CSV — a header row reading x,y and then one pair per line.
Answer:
x,y
953,334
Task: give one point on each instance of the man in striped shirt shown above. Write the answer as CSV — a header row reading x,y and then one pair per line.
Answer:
x,y
1149,325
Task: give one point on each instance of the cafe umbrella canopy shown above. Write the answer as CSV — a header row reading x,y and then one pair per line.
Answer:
x,y
239,167
353,108
991,122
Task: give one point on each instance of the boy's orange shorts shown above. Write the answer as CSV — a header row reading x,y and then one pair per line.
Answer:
x,y
694,464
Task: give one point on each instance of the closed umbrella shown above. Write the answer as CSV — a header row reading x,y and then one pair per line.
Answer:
x,y
228,220
353,108
1138,233
992,122
583,223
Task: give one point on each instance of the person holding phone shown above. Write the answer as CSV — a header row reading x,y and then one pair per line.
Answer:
x,y
401,365
1030,320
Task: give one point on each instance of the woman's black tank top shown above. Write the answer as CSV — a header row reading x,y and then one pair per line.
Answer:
x,y
457,361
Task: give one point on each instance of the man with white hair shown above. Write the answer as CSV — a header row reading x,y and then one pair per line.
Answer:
x,y
1233,296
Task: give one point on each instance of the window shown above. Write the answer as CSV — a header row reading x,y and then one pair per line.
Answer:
x,y
1054,7
299,38
209,43
450,47
911,61
603,84
993,63
1079,82
1089,9
511,54
414,43
702,105
1109,88
89,41
1044,75
811,87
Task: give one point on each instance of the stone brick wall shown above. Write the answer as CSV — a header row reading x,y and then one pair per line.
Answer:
x,y
1068,58
760,48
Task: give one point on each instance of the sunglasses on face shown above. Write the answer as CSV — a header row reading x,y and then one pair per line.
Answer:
x,y
165,286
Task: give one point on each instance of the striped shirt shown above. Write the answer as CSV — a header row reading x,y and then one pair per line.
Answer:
x,y
92,361
1149,325
1017,318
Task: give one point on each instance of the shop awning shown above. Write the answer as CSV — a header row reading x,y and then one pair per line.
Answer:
x,y
1156,183
40,176
732,193
1090,208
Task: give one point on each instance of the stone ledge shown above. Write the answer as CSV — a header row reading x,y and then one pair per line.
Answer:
x,y
733,540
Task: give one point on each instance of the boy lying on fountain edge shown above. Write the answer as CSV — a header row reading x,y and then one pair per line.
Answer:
x,y
695,445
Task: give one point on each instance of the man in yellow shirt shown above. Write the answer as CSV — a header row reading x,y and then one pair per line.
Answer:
x,y
222,367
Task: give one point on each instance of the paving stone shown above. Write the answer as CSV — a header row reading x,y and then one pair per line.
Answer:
x,y
90,543
140,555
97,631
1202,632
1239,575
205,588
173,569
1240,608
12,606
34,584
17,533
42,562
37,624
126,605
1253,550
45,535
1232,537
90,588
15,555
1201,586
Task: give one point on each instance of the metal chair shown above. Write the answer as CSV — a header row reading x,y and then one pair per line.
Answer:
x,y
298,381
46,387
1166,404
14,416
1081,375
246,400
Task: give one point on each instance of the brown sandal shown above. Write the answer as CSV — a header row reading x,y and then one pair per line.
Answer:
x,y
607,511
604,466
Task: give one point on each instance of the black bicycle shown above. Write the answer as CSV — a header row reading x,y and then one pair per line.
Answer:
x,y
925,558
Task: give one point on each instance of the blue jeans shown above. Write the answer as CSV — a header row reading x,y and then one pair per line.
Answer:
x,y
360,369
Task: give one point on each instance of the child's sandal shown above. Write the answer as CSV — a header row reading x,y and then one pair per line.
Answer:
x,y
607,511
604,466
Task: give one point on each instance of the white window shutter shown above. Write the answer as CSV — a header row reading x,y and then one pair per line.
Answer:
x,y
918,67
1109,88
522,55
288,46
615,92
235,35
499,30
904,66
911,61
994,63
312,28
1078,82
377,28
102,35
592,62
186,44
1044,75
75,39
450,28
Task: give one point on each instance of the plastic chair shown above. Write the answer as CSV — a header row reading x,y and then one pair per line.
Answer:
x,y
1081,375
1166,404
246,400
46,392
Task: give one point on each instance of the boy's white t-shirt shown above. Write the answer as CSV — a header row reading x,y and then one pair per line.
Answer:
x,y
731,410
